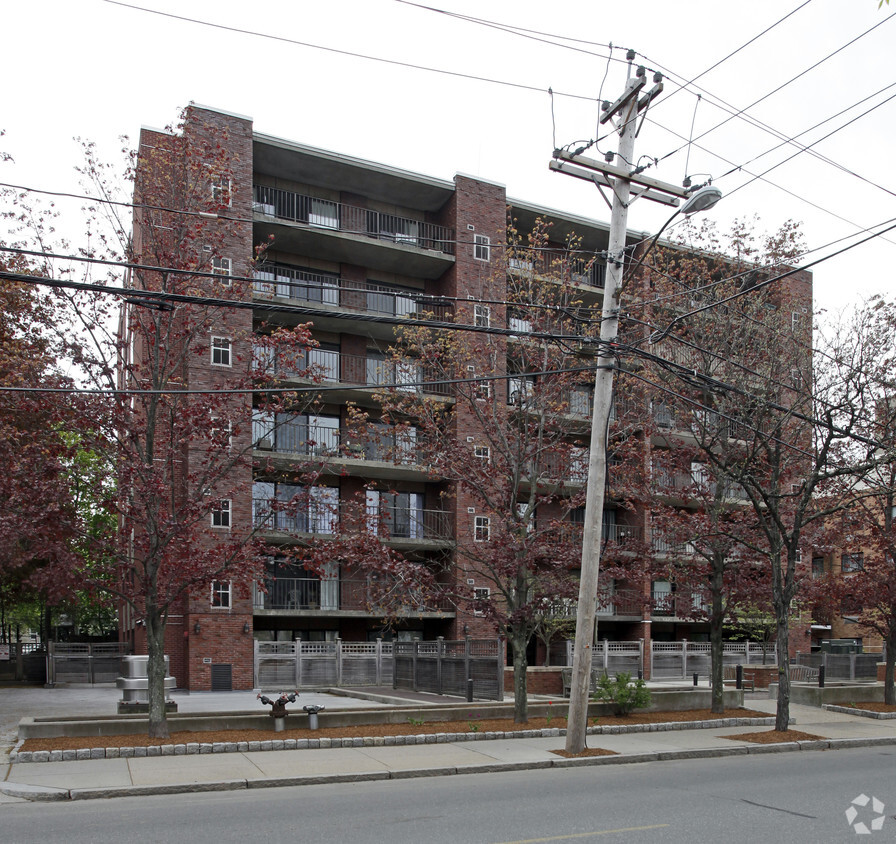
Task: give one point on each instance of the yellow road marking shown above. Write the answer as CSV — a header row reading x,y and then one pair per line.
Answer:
x,y
586,834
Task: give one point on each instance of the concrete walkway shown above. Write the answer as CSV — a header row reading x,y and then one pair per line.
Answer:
x,y
93,778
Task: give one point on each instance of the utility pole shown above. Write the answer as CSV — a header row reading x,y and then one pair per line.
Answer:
x,y
620,180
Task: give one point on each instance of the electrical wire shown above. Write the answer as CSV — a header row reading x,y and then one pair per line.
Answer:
x,y
349,53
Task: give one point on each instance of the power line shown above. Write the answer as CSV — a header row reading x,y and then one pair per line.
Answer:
x,y
349,53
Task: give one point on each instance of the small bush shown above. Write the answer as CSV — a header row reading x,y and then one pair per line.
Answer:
x,y
625,695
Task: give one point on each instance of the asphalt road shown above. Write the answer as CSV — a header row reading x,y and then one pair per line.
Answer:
x,y
793,797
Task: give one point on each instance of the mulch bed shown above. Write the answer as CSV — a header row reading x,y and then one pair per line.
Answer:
x,y
871,706
588,751
472,724
775,736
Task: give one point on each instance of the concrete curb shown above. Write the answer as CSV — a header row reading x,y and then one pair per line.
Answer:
x,y
863,713
38,793
20,756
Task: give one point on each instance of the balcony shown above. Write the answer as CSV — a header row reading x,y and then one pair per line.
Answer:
x,y
329,366
330,290
336,231
625,602
329,517
675,605
344,451
359,596
579,268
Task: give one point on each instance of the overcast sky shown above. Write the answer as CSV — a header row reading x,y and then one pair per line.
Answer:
x,y
99,69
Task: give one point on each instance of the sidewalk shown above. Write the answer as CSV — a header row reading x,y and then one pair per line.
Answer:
x,y
93,778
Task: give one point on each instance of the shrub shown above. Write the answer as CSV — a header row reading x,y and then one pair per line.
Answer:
x,y
625,695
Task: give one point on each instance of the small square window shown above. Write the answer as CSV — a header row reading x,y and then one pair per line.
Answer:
x,y
221,351
220,433
482,529
221,594
482,316
481,247
482,391
223,267
221,514
483,453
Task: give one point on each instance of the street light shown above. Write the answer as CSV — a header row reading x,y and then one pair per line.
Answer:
x,y
701,200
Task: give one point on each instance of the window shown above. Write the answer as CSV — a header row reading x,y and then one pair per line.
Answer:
x,y
222,190
481,596
221,352
580,401
520,389
852,562
482,316
796,378
483,453
221,514
223,267
481,247
817,567
482,529
220,433
482,391
221,594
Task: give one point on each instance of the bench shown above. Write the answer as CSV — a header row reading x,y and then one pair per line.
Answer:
x,y
566,675
729,675
803,674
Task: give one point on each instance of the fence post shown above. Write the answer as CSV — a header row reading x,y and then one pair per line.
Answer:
x,y
606,665
396,653
684,658
414,663
852,667
298,647
255,664
440,655
379,662
500,659
569,651
338,661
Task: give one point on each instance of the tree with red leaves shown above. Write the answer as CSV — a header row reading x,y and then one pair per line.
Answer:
x,y
511,444
169,375
782,423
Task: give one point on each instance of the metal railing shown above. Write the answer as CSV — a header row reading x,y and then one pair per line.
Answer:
x,y
612,657
337,216
85,662
330,289
346,594
390,444
469,668
331,366
623,602
280,665
852,668
327,518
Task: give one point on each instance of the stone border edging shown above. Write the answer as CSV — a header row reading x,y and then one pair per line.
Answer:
x,y
856,710
194,748
45,794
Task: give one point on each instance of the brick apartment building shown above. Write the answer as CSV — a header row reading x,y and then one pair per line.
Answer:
x,y
352,241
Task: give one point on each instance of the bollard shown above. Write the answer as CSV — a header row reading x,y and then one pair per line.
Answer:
x,y
469,689
640,673
696,678
821,676
312,710
739,677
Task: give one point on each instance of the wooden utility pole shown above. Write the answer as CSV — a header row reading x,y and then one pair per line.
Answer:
x,y
626,185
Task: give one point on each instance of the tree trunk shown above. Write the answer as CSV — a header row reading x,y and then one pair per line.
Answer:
x,y
518,642
889,664
715,638
155,643
782,715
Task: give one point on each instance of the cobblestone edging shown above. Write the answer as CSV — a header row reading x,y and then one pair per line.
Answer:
x,y
373,741
856,710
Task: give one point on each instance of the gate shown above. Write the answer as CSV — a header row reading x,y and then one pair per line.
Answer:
x,y
85,662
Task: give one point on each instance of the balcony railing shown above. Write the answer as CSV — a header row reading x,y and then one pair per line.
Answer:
x,y
623,602
329,518
380,443
327,214
328,365
666,482
328,289
676,605
580,268
339,594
